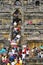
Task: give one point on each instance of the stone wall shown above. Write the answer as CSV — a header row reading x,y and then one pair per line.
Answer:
x,y
30,9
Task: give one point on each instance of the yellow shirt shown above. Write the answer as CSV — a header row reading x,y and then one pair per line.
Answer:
x,y
20,62
8,63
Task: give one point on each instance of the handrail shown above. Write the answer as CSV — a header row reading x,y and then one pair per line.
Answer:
x,y
30,61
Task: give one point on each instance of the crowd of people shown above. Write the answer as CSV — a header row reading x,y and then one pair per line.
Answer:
x,y
16,55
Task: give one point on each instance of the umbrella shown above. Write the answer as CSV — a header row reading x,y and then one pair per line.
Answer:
x,y
2,51
41,47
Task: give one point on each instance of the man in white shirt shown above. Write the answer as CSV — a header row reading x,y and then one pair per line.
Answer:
x,y
23,56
